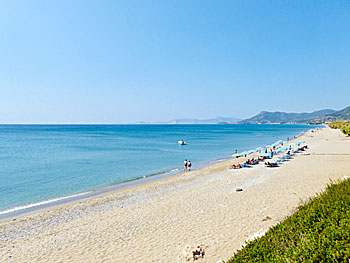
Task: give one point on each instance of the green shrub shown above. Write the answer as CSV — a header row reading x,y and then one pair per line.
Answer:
x,y
344,126
318,232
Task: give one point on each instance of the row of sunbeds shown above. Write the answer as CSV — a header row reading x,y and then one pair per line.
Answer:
x,y
288,155
270,163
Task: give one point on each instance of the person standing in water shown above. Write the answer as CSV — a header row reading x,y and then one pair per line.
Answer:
x,y
189,165
185,165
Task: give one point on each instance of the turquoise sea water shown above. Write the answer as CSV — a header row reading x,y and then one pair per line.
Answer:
x,y
45,162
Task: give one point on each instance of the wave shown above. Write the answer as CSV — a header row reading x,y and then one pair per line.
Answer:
x,y
19,208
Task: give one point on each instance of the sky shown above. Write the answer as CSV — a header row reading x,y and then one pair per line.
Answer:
x,y
128,61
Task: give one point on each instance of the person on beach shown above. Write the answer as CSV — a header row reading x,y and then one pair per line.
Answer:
x,y
189,165
185,165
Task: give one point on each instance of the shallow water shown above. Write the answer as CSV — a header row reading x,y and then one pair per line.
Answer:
x,y
45,162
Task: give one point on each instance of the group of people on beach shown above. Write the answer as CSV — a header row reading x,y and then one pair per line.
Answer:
x,y
187,165
246,164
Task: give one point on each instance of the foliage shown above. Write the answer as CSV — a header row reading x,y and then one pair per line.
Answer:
x,y
318,232
344,126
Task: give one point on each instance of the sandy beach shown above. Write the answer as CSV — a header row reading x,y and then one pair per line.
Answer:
x,y
160,220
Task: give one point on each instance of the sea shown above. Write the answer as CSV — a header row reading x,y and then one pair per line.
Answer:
x,y
50,165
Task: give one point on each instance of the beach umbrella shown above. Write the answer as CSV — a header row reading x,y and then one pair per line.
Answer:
x,y
300,142
283,148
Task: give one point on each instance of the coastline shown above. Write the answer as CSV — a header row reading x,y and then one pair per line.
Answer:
x,y
62,201
158,220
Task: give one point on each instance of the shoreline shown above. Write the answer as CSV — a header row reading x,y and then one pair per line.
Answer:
x,y
62,201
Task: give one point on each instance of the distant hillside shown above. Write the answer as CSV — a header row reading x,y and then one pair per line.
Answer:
x,y
266,117
217,120
342,115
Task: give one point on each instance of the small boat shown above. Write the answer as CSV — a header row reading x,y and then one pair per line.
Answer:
x,y
182,142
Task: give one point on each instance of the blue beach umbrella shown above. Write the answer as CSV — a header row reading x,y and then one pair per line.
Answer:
x,y
300,142
283,148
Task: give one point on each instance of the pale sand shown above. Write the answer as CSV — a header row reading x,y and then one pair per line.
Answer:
x,y
156,221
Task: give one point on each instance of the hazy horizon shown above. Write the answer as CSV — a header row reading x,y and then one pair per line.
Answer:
x,y
107,62
154,122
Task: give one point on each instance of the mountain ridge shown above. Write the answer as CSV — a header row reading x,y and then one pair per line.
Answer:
x,y
341,115
278,117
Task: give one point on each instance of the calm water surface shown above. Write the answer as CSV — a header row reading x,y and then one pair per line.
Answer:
x,y
41,162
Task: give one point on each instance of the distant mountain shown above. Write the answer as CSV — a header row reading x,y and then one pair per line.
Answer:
x,y
266,117
218,120
342,115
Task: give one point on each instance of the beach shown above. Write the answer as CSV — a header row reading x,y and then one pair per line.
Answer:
x,y
159,221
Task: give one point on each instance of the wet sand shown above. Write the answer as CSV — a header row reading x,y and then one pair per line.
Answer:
x,y
155,222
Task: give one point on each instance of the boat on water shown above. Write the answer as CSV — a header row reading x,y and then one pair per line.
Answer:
x,y
182,142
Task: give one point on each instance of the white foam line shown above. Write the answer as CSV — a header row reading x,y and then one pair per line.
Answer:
x,y
40,203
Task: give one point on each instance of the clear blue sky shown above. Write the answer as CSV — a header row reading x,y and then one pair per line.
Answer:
x,y
125,61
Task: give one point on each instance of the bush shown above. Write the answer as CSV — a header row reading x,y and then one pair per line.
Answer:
x,y
342,125
318,232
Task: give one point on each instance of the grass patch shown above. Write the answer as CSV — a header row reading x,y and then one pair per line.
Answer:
x,y
319,231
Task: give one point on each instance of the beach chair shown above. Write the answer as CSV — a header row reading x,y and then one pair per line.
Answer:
x,y
271,164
